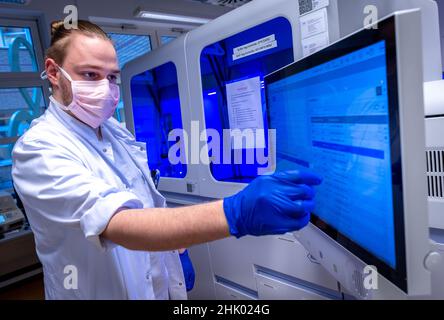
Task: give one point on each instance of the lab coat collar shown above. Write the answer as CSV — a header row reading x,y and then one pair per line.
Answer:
x,y
118,131
56,109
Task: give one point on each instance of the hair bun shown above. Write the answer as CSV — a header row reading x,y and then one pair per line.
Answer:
x,y
60,35
56,26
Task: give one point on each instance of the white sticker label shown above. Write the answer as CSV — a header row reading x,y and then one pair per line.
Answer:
x,y
254,47
244,102
315,43
314,23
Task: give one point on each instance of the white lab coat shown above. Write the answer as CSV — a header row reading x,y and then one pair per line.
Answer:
x,y
71,186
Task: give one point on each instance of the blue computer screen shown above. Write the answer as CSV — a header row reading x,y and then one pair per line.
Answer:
x,y
334,119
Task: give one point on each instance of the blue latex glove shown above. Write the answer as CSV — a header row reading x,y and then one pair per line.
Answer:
x,y
273,204
188,270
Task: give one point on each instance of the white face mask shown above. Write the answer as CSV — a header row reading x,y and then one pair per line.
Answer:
x,y
93,102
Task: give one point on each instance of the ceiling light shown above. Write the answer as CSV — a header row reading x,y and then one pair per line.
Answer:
x,y
169,17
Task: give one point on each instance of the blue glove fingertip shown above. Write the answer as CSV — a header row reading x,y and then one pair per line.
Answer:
x,y
304,176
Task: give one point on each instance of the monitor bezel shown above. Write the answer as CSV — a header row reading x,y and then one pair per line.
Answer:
x,y
386,31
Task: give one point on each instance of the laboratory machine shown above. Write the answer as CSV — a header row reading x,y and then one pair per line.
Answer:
x,y
182,95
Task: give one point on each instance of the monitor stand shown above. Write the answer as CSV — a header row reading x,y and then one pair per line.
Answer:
x,y
358,279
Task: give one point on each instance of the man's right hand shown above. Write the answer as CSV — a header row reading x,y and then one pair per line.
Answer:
x,y
274,204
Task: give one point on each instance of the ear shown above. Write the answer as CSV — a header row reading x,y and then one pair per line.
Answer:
x,y
52,71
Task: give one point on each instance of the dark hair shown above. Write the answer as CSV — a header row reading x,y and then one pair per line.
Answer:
x,y
60,36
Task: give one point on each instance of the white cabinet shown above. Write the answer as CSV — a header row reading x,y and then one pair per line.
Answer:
x,y
271,288
224,292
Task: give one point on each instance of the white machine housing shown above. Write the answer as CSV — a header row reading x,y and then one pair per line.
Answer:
x,y
434,107
258,11
259,264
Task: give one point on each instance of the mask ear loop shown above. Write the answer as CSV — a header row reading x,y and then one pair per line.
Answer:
x,y
44,76
65,74
68,77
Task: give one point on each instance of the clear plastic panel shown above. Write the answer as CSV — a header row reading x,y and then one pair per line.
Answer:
x,y
234,63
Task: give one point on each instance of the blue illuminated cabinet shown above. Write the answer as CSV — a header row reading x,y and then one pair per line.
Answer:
x,y
156,87
156,111
220,68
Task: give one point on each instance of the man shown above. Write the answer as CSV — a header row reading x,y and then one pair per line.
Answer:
x,y
86,187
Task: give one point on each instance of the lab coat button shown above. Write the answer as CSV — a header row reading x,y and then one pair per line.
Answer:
x,y
105,150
